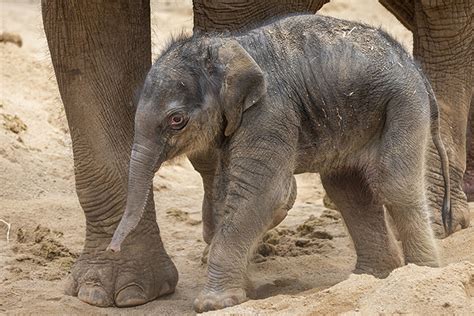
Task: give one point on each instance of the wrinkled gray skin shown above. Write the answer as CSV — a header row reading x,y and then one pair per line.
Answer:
x,y
303,94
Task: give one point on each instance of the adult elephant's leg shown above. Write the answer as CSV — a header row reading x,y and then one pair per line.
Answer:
x,y
443,37
237,14
442,34
101,51
469,174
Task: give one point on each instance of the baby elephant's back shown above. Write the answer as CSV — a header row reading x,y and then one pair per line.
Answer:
x,y
343,75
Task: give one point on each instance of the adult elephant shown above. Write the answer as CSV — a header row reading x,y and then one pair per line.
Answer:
x,y
101,52
469,174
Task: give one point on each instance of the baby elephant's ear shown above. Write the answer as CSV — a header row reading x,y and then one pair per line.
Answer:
x,y
243,83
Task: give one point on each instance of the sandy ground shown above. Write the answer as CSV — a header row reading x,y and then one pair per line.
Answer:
x,y
304,267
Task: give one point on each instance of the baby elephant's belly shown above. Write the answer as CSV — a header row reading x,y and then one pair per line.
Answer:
x,y
339,147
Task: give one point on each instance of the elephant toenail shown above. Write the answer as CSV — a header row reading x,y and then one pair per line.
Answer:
x,y
201,306
228,302
197,306
208,306
70,286
166,289
131,295
94,295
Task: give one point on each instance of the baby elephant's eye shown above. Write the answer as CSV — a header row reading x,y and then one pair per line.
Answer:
x,y
177,121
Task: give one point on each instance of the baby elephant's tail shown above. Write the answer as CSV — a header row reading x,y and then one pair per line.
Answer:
x,y
446,212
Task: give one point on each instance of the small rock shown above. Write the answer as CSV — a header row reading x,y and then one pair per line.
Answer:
x,y
321,235
182,216
6,37
178,214
266,250
193,222
302,242
13,123
159,187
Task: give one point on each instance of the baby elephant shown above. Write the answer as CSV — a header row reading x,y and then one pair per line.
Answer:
x,y
306,93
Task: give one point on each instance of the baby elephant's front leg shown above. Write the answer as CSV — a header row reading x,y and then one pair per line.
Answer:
x,y
255,192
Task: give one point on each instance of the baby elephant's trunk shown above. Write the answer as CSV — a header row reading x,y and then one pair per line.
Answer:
x,y
143,164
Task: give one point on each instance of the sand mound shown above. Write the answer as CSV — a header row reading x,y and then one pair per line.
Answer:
x,y
407,290
38,253
41,242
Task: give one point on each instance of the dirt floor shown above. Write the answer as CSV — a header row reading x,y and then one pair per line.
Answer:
x,y
304,266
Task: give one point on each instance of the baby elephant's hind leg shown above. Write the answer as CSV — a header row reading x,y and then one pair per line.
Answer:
x,y
401,184
377,252
409,211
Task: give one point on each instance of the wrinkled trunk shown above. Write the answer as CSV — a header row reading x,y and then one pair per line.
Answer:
x,y
144,161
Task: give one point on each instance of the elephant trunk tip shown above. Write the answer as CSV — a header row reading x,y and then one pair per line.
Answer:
x,y
117,239
114,246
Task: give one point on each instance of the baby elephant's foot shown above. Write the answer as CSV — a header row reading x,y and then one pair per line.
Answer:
x,y
209,300
432,262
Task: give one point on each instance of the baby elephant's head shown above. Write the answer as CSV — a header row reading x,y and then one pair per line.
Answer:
x,y
193,96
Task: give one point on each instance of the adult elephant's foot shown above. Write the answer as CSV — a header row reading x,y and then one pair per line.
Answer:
x,y
461,218
139,273
211,300
459,206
